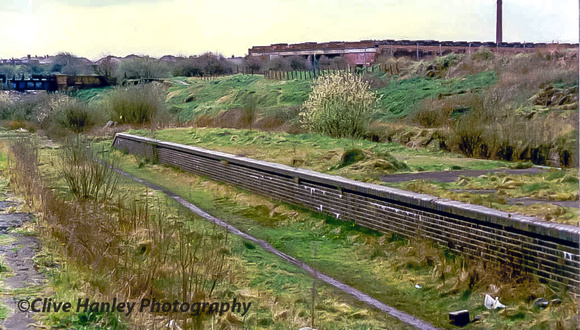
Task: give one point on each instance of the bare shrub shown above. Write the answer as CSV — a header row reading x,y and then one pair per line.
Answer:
x,y
141,68
70,64
338,63
528,72
212,64
186,68
394,66
298,63
492,128
253,64
440,112
278,64
468,135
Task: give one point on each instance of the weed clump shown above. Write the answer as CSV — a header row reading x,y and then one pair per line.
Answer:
x,y
350,157
76,117
138,104
86,176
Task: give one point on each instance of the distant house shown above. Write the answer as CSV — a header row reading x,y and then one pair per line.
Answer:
x,y
236,60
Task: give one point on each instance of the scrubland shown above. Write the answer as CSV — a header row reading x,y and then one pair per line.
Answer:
x,y
451,113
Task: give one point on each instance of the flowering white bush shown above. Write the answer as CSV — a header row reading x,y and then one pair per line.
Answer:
x,y
340,105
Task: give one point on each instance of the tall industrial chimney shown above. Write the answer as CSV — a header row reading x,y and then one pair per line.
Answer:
x,y
498,28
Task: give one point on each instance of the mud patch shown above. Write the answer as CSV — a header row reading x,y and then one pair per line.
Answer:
x,y
12,220
6,204
18,257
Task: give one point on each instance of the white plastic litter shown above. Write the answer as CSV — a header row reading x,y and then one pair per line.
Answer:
x,y
417,286
491,303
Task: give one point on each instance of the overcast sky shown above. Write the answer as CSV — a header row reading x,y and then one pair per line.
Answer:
x,y
93,28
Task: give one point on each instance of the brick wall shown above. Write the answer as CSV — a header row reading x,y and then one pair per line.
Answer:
x,y
518,243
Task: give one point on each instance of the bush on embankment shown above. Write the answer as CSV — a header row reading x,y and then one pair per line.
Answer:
x,y
340,105
138,104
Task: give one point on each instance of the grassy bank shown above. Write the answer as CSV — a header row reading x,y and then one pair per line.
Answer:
x,y
401,97
195,97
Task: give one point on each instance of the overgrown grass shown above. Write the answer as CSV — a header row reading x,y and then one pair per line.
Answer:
x,y
140,244
324,154
138,104
547,188
94,96
400,97
385,266
209,97
319,152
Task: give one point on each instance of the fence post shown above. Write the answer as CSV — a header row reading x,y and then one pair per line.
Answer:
x,y
417,51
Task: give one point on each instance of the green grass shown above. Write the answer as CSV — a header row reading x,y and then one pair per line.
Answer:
x,y
397,99
6,239
93,95
272,285
322,153
345,251
545,186
208,97
318,152
401,96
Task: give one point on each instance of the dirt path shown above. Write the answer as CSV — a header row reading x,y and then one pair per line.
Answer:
x,y
18,251
404,317
451,176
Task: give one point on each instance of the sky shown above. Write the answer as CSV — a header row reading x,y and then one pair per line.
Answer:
x,y
96,28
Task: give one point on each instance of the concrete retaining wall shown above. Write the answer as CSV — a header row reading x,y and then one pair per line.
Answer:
x,y
519,243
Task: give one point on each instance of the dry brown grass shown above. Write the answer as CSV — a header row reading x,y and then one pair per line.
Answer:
x,y
133,244
492,124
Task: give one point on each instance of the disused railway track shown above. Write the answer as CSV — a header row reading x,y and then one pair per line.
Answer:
x,y
518,243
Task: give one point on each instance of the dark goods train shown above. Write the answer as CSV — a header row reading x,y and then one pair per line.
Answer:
x,y
52,83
